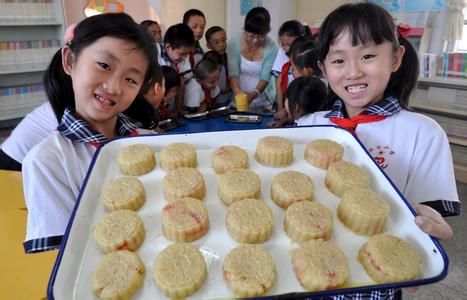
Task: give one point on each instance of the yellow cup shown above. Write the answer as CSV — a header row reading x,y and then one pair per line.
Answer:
x,y
241,101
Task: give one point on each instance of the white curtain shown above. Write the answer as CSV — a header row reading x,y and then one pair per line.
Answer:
x,y
455,21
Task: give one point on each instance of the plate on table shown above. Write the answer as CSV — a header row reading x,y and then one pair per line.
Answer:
x,y
243,118
79,253
198,116
170,124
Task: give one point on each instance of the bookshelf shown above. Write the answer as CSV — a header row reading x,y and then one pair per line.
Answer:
x,y
30,33
444,99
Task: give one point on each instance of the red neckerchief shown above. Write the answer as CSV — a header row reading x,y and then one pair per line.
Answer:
x,y
351,123
192,59
285,76
207,97
163,111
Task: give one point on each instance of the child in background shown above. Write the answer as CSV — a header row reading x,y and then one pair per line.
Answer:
x,y
371,70
224,96
178,43
303,59
172,85
200,93
216,40
195,19
108,60
305,95
288,32
154,29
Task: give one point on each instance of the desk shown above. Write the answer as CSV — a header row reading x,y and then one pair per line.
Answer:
x,y
23,276
217,124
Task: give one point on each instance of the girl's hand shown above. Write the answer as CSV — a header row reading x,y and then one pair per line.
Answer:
x,y
431,222
281,114
203,107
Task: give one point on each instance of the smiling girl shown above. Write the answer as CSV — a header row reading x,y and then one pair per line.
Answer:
x,y
108,61
371,70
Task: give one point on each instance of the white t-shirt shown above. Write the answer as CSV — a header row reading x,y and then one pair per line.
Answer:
x,y
184,67
250,76
53,172
34,127
281,59
412,149
194,93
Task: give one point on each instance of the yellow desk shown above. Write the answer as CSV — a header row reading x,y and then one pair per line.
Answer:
x,y
23,276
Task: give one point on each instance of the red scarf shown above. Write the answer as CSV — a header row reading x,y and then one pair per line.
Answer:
x,y
207,97
192,59
351,123
163,111
285,77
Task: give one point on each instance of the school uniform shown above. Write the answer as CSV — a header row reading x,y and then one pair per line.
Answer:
x,y
412,149
279,62
195,94
196,55
32,129
183,68
53,172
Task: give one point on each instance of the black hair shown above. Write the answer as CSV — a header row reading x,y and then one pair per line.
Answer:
x,y
214,56
205,67
308,93
211,31
171,77
147,23
258,21
191,13
179,35
368,22
58,85
293,28
303,54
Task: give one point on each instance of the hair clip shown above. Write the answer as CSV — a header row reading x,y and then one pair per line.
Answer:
x,y
403,30
69,34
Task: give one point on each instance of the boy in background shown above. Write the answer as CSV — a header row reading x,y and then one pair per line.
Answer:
x,y
196,20
178,43
154,29
216,40
201,92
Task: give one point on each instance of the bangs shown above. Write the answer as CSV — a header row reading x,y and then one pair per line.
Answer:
x,y
359,20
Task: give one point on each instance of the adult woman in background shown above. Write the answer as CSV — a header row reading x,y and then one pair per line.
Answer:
x,y
250,58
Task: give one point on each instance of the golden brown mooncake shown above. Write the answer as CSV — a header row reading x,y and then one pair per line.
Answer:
x,y
274,151
321,153
344,175
136,160
387,258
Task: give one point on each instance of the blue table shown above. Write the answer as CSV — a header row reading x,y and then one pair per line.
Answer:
x,y
217,124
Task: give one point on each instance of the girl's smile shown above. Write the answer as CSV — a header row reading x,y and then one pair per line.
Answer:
x,y
359,74
106,76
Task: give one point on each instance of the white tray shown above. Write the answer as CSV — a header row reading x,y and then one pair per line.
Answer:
x,y
79,254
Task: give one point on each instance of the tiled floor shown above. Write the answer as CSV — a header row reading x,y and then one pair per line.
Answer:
x,y
454,286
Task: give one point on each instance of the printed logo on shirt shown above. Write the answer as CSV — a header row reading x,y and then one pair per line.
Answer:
x,y
381,155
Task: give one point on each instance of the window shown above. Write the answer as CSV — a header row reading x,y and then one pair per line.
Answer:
x,y
462,44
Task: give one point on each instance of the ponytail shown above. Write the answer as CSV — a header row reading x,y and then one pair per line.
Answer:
x,y
58,86
404,80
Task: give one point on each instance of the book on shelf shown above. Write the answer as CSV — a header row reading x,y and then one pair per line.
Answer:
x,y
18,100
27,55
27,11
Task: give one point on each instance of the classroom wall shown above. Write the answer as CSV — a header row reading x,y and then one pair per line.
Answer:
x,y
170,12
313,12
139,9
214,10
